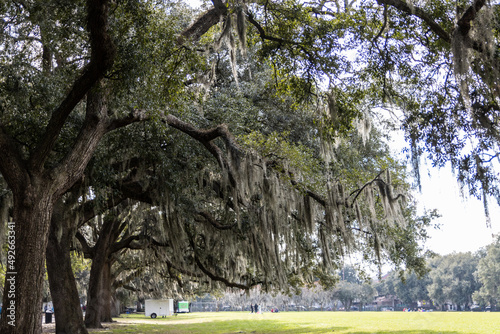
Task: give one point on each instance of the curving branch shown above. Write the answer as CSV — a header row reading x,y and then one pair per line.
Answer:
x,y
464,23
315,196
221,279
206,137
420,13
135,116
207,217
358,191
126,243
211,275
179,269
204,23
87,250
102,58
263,35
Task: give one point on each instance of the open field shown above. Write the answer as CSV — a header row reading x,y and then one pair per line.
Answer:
x,y
311,322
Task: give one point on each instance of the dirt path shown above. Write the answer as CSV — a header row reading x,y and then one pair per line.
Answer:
x,y
51,328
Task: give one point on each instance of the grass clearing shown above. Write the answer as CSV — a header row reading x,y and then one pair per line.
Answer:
x,y
311,322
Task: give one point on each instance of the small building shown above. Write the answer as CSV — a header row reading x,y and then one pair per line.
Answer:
x,y
386,303
159,308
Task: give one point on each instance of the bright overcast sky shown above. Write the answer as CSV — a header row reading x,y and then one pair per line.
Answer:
x,y
463,223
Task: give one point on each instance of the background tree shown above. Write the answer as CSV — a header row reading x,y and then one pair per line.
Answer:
x,y
410,288
366,294
347,293
453,279
488,273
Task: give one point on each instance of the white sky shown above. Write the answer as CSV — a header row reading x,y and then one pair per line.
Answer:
x,y
463,223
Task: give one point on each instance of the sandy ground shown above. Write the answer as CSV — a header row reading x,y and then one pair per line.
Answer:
x,y
51,328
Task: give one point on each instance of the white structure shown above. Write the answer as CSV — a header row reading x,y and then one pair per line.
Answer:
x,y
183,307
159,307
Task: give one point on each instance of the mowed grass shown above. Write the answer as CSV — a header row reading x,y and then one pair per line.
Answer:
x,y
312,322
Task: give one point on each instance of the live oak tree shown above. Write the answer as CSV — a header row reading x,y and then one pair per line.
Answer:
x,y
55,111
63,64
488,273
454,279
436,62
36,181
410,288
186,187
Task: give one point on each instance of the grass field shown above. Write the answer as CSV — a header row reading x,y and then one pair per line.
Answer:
x,y
312,322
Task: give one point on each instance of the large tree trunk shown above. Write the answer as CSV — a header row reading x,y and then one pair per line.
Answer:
x,y
96,294
107,294
95,298
35,188
28,234
62,282
115,306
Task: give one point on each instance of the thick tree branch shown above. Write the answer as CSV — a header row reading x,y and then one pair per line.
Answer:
x,y
12,166
87,250
211,275
315,196
164,258
216,278
135,116
206,138
263,35
420,13
90,209
464,23
204,23
126,243
102,56
207,217
74,163
198,134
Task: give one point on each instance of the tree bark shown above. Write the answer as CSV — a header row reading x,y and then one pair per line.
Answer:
x,y
99,295
107,294
35,189
28,234
96,294
62,282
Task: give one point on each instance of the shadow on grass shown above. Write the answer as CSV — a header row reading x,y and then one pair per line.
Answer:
x,y
414,331
253,327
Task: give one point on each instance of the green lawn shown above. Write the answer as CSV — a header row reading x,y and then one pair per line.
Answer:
x,y
312,322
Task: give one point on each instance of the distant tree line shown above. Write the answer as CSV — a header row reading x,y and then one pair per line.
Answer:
x,y
457,281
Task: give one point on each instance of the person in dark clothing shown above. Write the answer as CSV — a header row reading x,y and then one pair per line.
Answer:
x,y
256,308
251,307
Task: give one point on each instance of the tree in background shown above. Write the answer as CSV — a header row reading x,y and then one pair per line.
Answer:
x,y
488,274
453,279
409,288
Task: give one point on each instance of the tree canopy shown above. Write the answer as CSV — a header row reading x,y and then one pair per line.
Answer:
x,y
249,133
